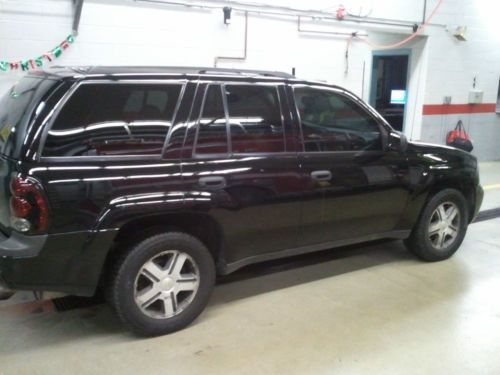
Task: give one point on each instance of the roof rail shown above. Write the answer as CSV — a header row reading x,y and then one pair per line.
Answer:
x,y
246,72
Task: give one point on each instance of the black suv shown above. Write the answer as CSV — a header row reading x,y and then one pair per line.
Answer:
x,y
147,182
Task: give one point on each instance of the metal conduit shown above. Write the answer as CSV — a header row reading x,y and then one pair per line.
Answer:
x,y
282,11
245,48
335,33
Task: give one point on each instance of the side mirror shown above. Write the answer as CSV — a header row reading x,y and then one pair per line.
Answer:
x,y
397,141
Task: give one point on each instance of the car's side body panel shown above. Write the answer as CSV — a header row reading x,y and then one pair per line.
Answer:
x,y
265,206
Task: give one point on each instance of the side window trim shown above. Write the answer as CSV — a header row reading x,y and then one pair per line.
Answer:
x,y
228,123
52,117
344,94
196,155
174,118
198,87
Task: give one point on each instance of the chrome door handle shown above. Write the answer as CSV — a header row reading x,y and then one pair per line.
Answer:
x,y
212,181
321,175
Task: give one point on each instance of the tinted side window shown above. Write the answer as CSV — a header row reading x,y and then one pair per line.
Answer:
x,y
255,119
114,119
333,122
212,129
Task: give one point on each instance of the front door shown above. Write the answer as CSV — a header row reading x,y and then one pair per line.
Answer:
x,y
353,188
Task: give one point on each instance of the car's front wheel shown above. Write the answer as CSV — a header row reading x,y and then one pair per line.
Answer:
x,y
441,227
162,284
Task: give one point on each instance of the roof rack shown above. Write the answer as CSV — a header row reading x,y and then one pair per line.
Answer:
x,y
152,70
74,68
246,72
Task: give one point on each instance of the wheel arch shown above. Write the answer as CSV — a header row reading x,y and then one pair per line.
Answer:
x,y
464,186
199,225
432,186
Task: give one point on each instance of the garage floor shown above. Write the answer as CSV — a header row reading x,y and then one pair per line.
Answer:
x,y
363,309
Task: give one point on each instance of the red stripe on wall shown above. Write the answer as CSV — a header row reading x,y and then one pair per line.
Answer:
x,y
453,109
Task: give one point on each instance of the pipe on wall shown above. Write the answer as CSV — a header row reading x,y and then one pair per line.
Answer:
x,y
424,11
282,11
334,33
245,48
78,5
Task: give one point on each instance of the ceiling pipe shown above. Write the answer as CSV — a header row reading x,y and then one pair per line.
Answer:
x,y
424,12
281,11
78,5
334,33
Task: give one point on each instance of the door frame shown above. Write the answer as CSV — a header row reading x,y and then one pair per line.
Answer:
x,y
373,87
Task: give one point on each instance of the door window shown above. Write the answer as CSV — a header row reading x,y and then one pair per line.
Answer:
x,y
114,120
333,122
255,119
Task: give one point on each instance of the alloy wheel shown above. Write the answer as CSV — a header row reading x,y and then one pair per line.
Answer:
x,y
444,225
166,284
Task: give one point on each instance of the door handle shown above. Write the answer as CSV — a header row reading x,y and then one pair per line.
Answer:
x,y
212,181
321,175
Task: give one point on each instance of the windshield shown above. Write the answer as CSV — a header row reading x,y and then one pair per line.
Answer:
x,y
16,107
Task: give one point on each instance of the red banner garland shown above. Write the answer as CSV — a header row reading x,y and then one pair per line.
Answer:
x,y
36,63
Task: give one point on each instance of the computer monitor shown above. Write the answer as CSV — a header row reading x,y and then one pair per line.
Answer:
x,y
398,96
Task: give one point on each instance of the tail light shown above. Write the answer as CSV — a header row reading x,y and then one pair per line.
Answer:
x,y
28,206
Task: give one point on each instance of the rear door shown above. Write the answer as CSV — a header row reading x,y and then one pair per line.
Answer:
x,y
243,163
353,187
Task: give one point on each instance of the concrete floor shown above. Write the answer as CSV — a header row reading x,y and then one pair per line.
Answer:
x,y
364,309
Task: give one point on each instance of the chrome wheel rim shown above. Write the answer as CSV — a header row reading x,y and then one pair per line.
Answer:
x,y
444,225
166,284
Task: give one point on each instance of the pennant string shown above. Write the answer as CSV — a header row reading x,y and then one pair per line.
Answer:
x,y
37,63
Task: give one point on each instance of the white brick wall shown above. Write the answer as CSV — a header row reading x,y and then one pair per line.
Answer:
x,y
131,33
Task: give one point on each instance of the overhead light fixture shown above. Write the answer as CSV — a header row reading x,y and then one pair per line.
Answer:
x,y
227,15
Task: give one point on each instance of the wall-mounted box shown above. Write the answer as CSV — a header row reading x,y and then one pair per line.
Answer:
x,y
475,96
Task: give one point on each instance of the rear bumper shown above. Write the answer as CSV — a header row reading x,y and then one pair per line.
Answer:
x,y
17,246
68,262
21,246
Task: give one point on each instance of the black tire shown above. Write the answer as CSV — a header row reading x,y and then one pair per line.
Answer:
x,y
419,242
124,279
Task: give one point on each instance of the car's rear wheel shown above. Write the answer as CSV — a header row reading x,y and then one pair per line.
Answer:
x,y
441,227
162,284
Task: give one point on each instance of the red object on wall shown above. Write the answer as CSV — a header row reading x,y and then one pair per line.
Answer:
x,y
458,132
341,12
453,109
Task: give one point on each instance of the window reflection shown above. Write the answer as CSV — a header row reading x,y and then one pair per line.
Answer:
x,y
332,122
114,119
255,119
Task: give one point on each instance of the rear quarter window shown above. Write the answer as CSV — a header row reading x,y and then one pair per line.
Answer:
x,y
101,119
